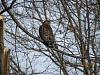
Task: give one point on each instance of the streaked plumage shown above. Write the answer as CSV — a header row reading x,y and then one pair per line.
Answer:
x,y
46,34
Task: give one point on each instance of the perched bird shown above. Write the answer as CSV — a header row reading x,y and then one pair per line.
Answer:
x,y
46,34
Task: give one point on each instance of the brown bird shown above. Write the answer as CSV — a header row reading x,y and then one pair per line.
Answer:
x,y
46,34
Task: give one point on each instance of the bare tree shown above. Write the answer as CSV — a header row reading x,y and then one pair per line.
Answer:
x,y
75,25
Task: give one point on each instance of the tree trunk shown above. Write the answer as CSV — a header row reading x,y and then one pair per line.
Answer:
x,y
1,45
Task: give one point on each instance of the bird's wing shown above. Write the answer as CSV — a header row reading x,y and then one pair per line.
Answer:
x,y
47,36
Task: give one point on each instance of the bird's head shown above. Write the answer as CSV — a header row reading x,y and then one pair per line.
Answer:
x,y
46,22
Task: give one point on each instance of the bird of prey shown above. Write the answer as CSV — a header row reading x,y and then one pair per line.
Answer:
x,y
46,34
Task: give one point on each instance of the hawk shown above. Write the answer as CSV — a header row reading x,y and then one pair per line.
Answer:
x,y
46,34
